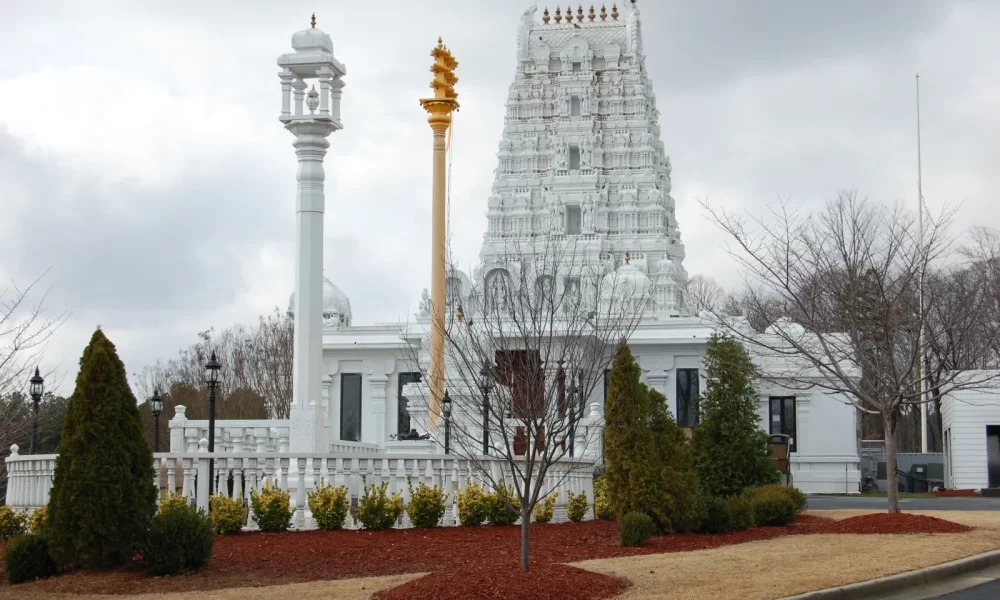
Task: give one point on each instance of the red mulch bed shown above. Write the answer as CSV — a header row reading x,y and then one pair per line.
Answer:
x,y
886,523
460,558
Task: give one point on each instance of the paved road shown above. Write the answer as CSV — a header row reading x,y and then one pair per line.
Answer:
x,y
850,502
988,591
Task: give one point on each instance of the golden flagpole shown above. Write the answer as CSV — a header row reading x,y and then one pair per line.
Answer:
x,y
440,108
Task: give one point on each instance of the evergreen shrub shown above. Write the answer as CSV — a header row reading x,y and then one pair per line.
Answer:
x,y
377,509
773,507
27,559
226,514
718,517
102,497
272,509
635,528
38,521
426,506
742,513
731,451
576,508
180,541
329,506
12,522
501,506
472,505
546,508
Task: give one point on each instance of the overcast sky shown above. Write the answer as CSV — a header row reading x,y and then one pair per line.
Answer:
x,y
142,163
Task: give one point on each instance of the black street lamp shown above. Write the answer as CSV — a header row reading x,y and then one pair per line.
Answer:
x,y
36,389
156,407
212,368
486,387
446,410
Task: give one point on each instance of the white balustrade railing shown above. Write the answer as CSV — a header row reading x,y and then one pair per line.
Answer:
x,y
237,473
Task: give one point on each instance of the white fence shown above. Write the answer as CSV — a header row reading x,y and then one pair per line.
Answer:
x,y
236,473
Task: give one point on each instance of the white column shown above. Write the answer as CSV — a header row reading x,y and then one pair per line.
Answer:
x,y
307,371
378,372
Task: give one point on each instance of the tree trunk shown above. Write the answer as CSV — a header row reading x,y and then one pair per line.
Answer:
x,y
892,477
525,535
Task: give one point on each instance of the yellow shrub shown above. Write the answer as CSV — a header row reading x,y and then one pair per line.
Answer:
x,y
226,514
576,508
36,522
329,506
545,509
272,508
12,522
173,501
602,504
473,505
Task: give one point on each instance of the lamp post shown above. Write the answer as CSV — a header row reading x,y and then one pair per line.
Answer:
x,y
37,388
446,411
156,407
212,368
486,387
574,390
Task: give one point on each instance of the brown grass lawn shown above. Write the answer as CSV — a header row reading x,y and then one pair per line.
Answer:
x,y
797,564
343,589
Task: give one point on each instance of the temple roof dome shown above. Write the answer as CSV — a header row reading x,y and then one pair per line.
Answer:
x,y
627,280
312,40
336,304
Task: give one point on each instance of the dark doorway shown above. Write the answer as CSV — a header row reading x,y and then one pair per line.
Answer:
x,y
993,454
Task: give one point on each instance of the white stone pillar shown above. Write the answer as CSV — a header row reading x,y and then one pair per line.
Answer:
x,y
307,371
378,372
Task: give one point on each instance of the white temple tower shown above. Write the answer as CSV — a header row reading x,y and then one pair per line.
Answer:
x,y
581,162
311,117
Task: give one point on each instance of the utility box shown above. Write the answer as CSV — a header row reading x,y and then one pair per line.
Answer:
x,y
918,479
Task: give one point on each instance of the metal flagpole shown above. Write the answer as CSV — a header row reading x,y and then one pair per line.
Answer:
x,y
920,293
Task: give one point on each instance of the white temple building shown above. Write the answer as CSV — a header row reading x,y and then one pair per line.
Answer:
x,y
581,162
582,168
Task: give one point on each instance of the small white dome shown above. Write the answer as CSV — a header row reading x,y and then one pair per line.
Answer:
x,y
666,266
336,304
785,327
312,40
626,281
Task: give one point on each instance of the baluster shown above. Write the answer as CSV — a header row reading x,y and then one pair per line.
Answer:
x,y
334,470
156,475
285,467
300,494
187,488
252,476
171,475
237,477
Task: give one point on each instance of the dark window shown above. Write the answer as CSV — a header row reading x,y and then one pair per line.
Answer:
x,y
350,407
574,221
687,397
402,415
783,418
574,158
607,383
577,67
574,103
521,370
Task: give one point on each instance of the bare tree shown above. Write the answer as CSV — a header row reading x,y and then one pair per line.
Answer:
x,y
25,328
705,294
538,334
256,371
848,278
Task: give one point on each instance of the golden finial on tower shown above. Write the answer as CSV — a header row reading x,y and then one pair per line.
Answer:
x,y
545,17
614,11
313,20
628,257
569,14
459,313
593,16
604,13
579,14
558,15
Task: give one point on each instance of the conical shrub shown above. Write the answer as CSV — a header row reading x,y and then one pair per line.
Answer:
x,y
102,497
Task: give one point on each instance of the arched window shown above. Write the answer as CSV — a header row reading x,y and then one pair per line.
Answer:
x,y
545,290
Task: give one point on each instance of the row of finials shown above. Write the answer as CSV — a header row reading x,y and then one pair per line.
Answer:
x,y
579,14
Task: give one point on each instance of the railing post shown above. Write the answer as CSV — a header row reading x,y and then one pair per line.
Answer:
x,y
300,495
201,493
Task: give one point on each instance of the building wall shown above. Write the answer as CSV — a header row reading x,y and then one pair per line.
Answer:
x,y
964,417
